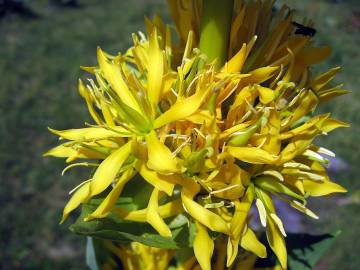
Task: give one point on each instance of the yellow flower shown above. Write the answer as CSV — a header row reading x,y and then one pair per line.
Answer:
x,y
226,138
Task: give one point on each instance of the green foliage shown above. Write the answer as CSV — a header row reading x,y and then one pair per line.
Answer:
x,y
116,229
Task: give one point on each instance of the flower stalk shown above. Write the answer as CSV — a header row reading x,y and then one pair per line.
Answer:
x,y
215,30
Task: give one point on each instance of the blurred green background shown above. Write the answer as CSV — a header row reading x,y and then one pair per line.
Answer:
x,y
39,68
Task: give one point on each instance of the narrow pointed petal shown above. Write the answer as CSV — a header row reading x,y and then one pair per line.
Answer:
x,y
276,242
113,75
203,246
250,242
163,183
155,70
160,157
236,63
206,217
81,195
108,203
167,210
252,155
331,124
238,224
153,217
322,188
91,133
182,108
89,102
109,168
266,94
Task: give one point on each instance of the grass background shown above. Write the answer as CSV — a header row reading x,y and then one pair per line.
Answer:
x,y
39,67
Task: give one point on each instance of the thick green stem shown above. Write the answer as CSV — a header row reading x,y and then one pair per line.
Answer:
x,y
215,29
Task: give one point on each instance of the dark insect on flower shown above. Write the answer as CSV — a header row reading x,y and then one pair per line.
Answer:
x,y
304,30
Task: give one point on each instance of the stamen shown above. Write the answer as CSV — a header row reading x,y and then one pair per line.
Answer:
x,y
79,186
177,150
273,173
200,133
325,151
296,165
86,164
262,212
224,189
214,205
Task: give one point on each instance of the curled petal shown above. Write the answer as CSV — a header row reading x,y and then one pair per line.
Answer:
x,y
81,195
153,217
322,188
163,183
211,220
109,168
108,203
160,157
250,242
203,246
167,210
252,155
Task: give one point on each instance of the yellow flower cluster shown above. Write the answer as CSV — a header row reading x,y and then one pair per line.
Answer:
x,y
139,256
225,138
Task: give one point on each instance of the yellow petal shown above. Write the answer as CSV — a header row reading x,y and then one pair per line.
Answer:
x,y
112,74
91,133
108,203
153,217
66,151
211,220
167,210
109,168
238,223
260,75
232,250
304,127
250,242
106,111
331,124
241,212
203,246
252,155
81,195
160,157
236,63
155,70
323,79
322,188
89,102
266,94
308,103
276,242
183,108
163,183
297,146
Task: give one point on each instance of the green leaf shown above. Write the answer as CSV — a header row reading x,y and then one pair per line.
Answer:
x,y
91,254
116,229
304,250
98,255
134,196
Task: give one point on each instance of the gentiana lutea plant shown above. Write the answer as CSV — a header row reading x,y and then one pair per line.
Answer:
x,y
194,126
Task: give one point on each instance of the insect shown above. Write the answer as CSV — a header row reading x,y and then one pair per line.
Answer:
x,y
304,30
